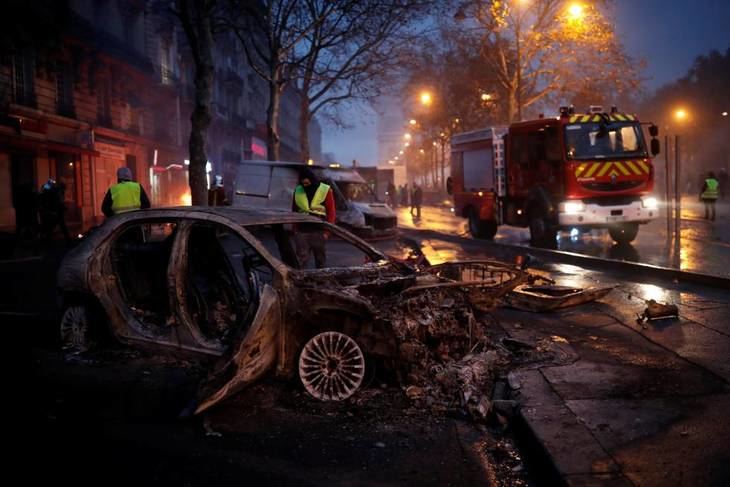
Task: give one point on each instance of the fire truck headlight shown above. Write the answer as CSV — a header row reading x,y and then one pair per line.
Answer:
x,y
573,207
650,203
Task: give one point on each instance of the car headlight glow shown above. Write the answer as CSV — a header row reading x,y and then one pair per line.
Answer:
x,y
573,207
650,203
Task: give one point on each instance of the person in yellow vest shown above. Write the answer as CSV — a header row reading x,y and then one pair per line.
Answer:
x,y
710,193
313,198
126,195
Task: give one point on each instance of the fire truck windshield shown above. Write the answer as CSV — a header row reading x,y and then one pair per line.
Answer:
x,y
599,141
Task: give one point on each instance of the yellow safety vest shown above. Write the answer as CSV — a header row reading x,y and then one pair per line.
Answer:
x,y
316,206
126,197
711,193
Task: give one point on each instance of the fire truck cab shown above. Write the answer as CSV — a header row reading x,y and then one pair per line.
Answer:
x,y
581,171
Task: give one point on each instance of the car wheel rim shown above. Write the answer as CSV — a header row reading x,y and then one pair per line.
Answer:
x,y
331,366
75,329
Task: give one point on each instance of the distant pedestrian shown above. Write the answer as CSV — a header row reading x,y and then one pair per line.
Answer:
x,y
709,195
404,196
52,209
126,195
722,178
217,194
392,196
416,201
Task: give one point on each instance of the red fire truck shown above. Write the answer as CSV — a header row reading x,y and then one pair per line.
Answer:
x,y
580,171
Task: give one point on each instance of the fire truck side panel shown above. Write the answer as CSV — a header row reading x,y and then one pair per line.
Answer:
x,y
472,172
535,168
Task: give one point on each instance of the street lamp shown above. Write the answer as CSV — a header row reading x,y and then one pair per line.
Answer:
x,y
485,97
426,98
681,114
576,11
412,121
407,136
724,114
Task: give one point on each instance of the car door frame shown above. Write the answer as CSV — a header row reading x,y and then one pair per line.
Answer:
x,y
106,286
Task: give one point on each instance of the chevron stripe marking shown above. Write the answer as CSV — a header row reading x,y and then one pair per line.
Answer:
x,y
604,169
633,168
622,168
593,169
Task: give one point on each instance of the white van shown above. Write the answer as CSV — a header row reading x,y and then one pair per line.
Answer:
x,y
271,185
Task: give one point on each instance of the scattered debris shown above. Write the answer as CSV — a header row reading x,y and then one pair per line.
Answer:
x,y
659,311
549,297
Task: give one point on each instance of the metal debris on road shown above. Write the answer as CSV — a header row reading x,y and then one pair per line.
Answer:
x,y
659,311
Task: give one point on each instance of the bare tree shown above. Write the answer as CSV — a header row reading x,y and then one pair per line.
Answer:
x,y
198,20
546,48
271,31
351,49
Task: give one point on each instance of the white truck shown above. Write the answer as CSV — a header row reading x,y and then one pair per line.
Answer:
x,y
271,185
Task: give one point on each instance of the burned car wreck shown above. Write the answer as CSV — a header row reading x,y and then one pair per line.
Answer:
x,y
222,287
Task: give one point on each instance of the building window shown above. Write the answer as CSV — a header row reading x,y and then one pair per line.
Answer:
x,y
64,90
24,78
103,102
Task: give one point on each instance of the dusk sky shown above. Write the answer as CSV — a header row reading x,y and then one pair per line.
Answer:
x,y
668,34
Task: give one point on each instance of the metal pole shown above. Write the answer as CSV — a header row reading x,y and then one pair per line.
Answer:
x,y
443,165
519,71
678,196
668,187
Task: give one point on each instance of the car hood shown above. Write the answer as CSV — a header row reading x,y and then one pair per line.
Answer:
x,y
375,209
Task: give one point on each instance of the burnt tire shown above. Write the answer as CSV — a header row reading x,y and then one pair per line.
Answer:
x,y
542,233
75,329
624,233
483,229
331,366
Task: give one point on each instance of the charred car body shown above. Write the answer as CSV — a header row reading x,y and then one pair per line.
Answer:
x,y
222,286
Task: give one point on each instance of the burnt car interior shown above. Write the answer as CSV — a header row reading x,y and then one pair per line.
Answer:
x,y
225,279
140,257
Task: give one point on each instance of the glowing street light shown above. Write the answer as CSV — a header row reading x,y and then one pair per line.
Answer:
x,y
422,151
407,136
407,144
426,98
681,114
576,11
724,114
400,153
412,121
485,97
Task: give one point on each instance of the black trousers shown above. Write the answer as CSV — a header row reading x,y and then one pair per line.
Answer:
x,y
311,243
709,209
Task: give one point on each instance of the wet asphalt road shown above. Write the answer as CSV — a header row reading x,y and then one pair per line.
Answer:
x,y
705,245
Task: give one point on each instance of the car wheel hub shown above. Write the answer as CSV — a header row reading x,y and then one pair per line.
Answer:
x,y
331,366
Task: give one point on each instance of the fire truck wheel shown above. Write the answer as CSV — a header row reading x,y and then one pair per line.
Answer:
x,y
481,228
542,234
624,233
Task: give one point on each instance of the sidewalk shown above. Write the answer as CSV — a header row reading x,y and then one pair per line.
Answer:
x,y
641,404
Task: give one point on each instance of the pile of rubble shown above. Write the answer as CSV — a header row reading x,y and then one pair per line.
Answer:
x,y
446,362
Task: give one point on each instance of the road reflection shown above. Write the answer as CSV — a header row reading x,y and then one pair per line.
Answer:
x,y
704,247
